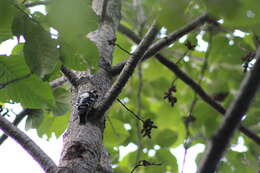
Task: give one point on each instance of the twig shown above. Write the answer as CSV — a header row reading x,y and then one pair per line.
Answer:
x,y
3,85
181,58
148,124
139,108
30,146
58,82
70,75
144,163
177,62
191,83
126,73
129,110
190,118
233,116
113,42
123,49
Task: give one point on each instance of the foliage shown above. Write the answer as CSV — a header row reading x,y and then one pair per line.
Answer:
x,y
43,52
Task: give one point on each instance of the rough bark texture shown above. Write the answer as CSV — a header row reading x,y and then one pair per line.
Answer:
x,y
82,146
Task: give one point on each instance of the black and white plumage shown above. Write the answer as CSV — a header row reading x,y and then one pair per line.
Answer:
x,y
85,104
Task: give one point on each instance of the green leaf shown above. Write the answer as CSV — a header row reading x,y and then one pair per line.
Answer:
x,y
41,53
40,50
63,99
74,20
241,162
247,18
244,14
168,160
207,119
19,24
114,154
217,8
72,17
232,50
70,58
172,13
7,13
166,138
199,158
31,92
115,133
53,124
34,119
18,49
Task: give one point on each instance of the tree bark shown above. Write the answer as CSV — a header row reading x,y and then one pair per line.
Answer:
x,y
82,146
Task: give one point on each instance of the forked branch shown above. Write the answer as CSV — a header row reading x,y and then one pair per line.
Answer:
x,y
70,75
126,72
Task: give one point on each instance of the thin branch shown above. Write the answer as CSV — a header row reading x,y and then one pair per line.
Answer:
x,y
129,110
70,75
160,44
113,42
233,116
3,85
190,118
139,109
58,82
30,146
191,83
127,72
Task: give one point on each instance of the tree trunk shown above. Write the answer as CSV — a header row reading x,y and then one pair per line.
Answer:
x,y
82,144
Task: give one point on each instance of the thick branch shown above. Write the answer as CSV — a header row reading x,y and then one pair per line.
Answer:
x,y
31,147
70,75
127,71
190,82
16,121
233,116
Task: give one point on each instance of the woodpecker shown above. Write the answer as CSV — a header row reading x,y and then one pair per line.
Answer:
x,y
85,104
